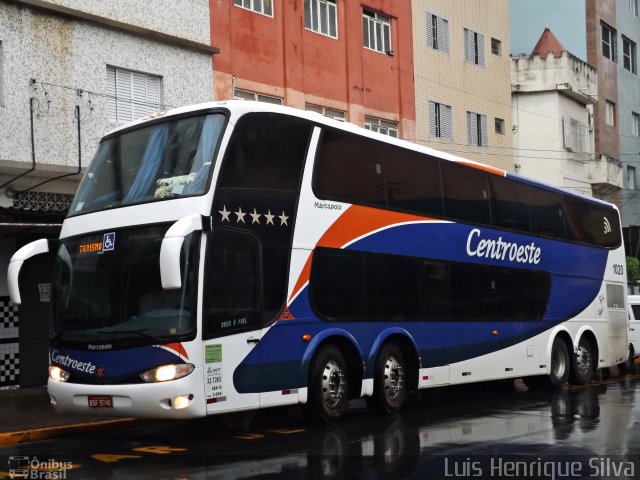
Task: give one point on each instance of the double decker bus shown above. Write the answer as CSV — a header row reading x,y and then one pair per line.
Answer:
x,y
236,255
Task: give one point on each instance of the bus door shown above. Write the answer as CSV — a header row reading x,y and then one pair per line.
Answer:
x,y
232,315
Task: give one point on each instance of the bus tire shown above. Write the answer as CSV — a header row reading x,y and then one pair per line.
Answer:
x,y
582,366
390,380
560,366
328,386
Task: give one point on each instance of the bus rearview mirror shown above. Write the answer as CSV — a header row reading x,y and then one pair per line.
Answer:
x,y
171,248
15,265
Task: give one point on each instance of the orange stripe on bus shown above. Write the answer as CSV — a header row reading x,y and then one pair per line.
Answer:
x,y
486,168
177,347
355,222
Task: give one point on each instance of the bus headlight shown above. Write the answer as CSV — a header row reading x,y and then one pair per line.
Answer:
x,y
57,374
165,373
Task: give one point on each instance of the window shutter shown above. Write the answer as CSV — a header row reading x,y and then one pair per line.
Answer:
x,y
566,130
468,46
472,128
153,94
484,130
445,122
123,96
432,119
443,35
480,49
112,110
139,97
429,31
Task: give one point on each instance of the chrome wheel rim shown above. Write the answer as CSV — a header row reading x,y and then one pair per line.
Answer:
x,y
393,378
333,384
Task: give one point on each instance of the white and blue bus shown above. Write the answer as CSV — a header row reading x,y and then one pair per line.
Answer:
x,y
237,255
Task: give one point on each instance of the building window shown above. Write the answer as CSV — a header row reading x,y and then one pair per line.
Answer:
x,y
131,95
499,125
379,125
609,42
631,177
264,7
474,47
633,7
376,31
629,54
575,135
477,130
321,17
636,124
437,33
496,46
239,94
610,113
339,115
440,121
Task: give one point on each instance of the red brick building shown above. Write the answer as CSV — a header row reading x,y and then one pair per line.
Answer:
x,y
344,58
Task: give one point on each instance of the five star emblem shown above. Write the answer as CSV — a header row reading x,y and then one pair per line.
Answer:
x,y
225,216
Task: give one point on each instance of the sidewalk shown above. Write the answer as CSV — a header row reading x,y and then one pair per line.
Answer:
x,y
28,416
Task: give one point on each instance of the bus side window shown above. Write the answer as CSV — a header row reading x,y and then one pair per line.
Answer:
x,y
510,204
466,194
546,213
232,290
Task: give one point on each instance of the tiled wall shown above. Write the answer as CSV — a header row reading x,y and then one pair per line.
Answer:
x,y
9,360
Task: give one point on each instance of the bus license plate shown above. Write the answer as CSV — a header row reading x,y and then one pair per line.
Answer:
x,y
100,401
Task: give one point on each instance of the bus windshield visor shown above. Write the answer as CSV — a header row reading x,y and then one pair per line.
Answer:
x,y
107,290
159,161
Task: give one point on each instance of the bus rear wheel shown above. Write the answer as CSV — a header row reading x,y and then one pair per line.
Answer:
x,y
582,367
328,386
559,374
389,381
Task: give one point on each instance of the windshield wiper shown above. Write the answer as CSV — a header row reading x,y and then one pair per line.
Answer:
x,y
140,332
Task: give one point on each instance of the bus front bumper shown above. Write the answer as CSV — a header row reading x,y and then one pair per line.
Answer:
x,y
181,398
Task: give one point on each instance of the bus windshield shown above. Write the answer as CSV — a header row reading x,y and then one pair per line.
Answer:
x,y
107,290
163,160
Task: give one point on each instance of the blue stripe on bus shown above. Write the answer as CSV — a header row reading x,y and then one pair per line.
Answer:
x,y
576,279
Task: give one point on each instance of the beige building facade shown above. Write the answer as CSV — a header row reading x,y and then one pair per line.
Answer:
x,y
462,78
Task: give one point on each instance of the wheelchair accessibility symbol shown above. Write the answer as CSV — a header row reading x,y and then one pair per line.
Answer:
x,y
109,242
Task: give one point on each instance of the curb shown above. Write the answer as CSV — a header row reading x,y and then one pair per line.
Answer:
x,y
47,433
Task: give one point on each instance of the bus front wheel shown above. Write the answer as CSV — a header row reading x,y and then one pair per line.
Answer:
x,y
328,386
390,380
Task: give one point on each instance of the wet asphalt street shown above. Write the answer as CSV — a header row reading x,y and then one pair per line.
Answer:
x,y
480,431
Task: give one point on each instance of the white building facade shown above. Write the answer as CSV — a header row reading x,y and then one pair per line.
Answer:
x,y
552,104
70,71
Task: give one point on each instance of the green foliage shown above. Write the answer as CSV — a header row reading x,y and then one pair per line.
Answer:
x,y
633,270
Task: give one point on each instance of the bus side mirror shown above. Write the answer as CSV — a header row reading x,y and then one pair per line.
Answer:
x,y
25,253
171,248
